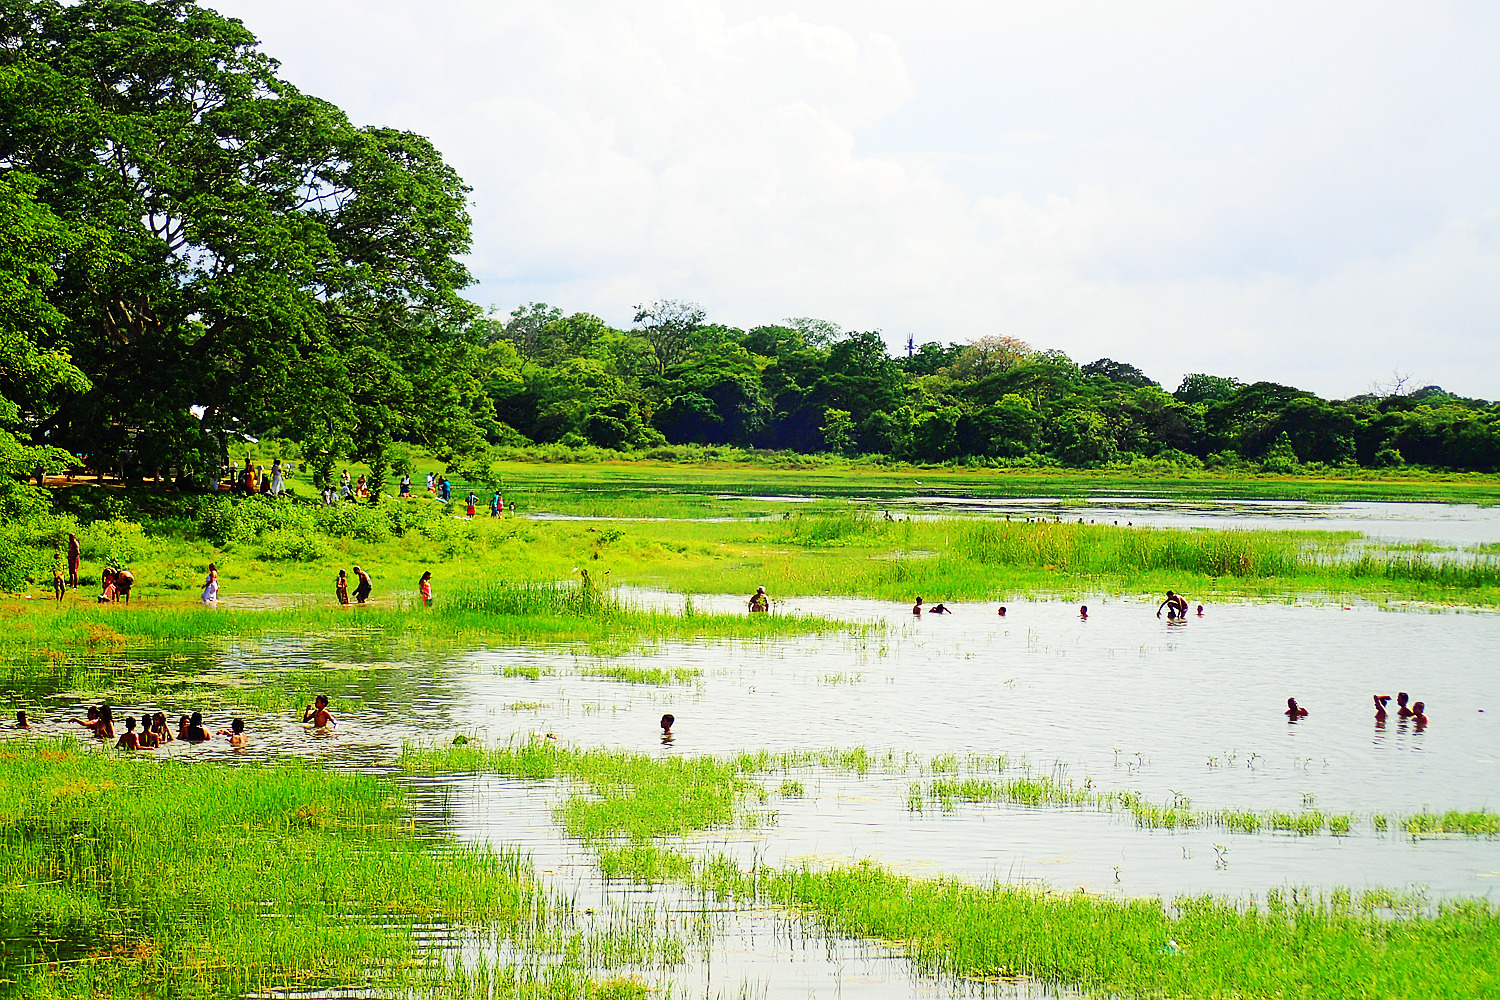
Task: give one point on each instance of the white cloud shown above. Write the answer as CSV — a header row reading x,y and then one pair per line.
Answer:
x,y
1287,192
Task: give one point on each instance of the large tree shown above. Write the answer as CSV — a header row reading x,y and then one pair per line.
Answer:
x,y
268,248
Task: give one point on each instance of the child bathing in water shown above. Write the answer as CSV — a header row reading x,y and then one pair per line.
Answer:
x,y
317,715
236,733
1293,710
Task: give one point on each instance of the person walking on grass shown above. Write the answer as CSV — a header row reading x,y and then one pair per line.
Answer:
x,y
59,585
276,481
362,590
424,587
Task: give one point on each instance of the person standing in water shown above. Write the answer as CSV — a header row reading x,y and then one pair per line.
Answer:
x,y
666,727
341,588
1083,612
916,608
1175,603
760,601
317,716
424,587
362,591
1294,711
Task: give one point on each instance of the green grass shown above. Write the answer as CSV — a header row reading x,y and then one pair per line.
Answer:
x,y
1469,824
160,878
1322,947
170,653
832,547
1325,946
643,675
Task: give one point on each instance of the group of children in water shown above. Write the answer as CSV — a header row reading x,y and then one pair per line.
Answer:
x,y
152,731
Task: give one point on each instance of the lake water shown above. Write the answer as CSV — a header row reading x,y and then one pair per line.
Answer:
x,y
1122,701
1454,525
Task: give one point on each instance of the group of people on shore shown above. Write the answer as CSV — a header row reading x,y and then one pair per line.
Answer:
x,y
257,479
115,582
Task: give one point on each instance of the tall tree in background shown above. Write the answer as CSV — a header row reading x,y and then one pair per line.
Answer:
x,y
669,327
267,247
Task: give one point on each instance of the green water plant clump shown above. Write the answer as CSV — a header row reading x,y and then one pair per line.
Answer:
x,y
128,876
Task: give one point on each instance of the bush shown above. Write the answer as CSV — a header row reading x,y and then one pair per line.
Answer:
x,y
282,544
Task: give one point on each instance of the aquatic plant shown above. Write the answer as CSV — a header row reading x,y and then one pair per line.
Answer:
x,y
164,874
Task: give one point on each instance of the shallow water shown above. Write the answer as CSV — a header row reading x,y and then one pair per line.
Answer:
x,y
1122,700
1457,525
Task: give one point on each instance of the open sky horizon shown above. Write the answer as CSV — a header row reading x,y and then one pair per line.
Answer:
x,y
1295,193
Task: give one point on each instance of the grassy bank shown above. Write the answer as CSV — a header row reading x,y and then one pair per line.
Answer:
x,y
845,550
127,876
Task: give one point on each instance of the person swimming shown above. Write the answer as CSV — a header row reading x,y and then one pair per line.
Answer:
x,y
21,721
666,727
1083,612
1001,612
939,609
1200,611
1293,710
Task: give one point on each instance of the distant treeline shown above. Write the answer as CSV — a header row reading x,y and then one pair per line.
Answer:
x,y
194,253
806,386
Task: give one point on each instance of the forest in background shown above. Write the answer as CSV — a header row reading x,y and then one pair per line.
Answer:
x,y
194,254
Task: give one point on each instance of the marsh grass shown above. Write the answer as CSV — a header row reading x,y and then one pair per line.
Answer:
x,y
170,651
1048,791
1308,945
191,879
1317,946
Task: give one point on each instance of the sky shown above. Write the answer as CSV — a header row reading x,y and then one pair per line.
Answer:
x,y
1303,193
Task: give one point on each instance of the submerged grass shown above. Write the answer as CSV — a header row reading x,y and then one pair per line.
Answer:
x,y
1331,946
1325,947
173,879
170,651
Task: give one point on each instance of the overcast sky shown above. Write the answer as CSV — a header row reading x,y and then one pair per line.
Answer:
x,y
1307,193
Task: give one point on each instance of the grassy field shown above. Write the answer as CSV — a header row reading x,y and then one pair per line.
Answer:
x,y
288,554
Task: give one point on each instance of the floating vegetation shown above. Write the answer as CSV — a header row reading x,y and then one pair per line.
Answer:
x,y
643,675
